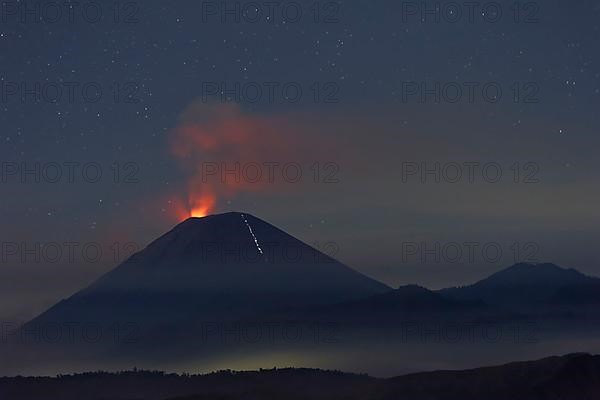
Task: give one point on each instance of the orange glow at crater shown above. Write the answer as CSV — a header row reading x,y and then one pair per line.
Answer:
x,y
202,205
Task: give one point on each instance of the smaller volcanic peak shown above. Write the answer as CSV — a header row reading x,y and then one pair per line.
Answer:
x,y
521,285
535,274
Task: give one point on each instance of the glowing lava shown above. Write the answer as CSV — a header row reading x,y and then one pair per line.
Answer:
x,y
202,206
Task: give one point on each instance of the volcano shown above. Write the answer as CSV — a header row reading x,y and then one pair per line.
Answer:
x,y
221,266
214,275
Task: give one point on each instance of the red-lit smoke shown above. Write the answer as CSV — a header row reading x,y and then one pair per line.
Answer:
x,y
217,137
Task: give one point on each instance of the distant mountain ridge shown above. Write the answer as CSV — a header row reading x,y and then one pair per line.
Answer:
x,y
241,264
410,301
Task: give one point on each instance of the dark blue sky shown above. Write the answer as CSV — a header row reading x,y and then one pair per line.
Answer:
x,y
83,92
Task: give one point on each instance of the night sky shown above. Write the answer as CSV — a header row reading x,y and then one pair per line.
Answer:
x,y
355,95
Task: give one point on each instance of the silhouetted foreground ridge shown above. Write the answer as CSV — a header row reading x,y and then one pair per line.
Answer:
x,y
574,376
